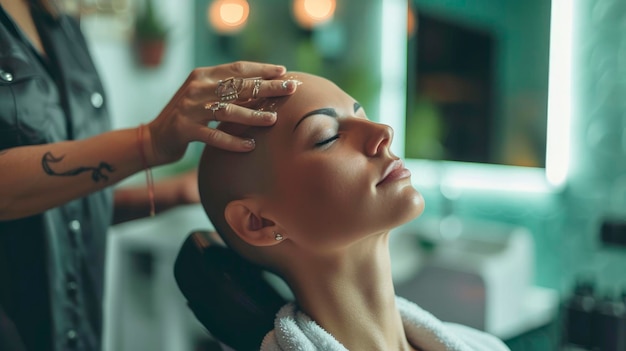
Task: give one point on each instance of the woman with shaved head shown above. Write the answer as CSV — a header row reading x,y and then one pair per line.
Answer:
x,y
315,203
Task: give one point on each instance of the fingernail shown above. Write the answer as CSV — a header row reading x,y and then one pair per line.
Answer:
x,y
268,116
291,84
249,143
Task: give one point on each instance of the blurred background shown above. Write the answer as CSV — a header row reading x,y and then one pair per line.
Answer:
x,y
510,115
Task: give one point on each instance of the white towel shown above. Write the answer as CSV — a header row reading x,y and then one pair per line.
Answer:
x,y
295,331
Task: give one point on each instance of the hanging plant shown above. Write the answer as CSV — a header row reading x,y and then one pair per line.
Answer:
x,y
150,36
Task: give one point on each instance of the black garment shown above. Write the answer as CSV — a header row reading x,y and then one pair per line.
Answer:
x,y
51,264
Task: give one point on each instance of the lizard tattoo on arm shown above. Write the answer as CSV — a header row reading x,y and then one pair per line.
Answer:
x,y
97,173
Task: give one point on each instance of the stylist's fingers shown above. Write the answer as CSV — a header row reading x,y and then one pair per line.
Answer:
x,y
254,88
226,112
247,69
222,140
237,90
237,82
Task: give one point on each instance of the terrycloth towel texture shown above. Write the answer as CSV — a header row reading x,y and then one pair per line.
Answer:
x,y
295,331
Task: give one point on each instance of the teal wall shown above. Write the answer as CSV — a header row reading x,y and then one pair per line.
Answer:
x,y
597,182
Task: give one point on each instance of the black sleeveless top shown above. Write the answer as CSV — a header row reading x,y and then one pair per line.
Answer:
x,y
52,263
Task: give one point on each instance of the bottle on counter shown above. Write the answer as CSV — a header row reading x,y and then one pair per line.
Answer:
x,y
579,309
609,324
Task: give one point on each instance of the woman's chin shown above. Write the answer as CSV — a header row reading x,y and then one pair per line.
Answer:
x,y
415,207
419,204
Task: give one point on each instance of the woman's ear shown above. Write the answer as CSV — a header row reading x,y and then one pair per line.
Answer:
x,y
245,219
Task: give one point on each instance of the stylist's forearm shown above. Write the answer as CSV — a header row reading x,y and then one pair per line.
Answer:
x,y
37,178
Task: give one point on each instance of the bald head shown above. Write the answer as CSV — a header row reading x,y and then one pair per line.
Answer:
x,y
225,176
245,193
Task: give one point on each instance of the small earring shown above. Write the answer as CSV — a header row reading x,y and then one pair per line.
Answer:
x,y
278,236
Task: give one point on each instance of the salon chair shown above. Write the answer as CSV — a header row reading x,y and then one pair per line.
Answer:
x,y
228,295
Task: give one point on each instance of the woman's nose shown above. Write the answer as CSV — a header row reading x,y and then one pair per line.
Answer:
x,y
379,139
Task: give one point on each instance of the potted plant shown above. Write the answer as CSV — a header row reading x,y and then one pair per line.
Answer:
x,y
150,36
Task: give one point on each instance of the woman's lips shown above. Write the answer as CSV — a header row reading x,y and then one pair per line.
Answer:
x,y
393,172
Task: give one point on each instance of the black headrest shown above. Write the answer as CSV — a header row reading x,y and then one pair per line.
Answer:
x,y
228,294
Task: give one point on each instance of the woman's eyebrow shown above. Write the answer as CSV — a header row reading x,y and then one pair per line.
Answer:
x,y
322,111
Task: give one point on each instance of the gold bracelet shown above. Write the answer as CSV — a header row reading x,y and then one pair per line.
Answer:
x,y
148,170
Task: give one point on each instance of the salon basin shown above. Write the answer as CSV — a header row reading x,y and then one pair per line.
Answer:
x,y
476,273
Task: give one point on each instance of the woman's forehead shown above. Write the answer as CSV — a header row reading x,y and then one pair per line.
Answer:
x,y
314,93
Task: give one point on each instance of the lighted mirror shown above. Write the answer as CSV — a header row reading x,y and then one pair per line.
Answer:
x,y
487,83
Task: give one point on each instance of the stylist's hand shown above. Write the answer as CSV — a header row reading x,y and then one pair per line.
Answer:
x,y
186,117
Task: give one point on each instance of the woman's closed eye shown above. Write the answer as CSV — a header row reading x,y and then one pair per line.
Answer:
x,y
327,141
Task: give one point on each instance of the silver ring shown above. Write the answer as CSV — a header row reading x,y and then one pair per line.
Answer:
x,y
215,106
229,89
257,86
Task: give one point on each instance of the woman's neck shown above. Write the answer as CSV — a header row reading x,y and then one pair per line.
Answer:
x,y
350,294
